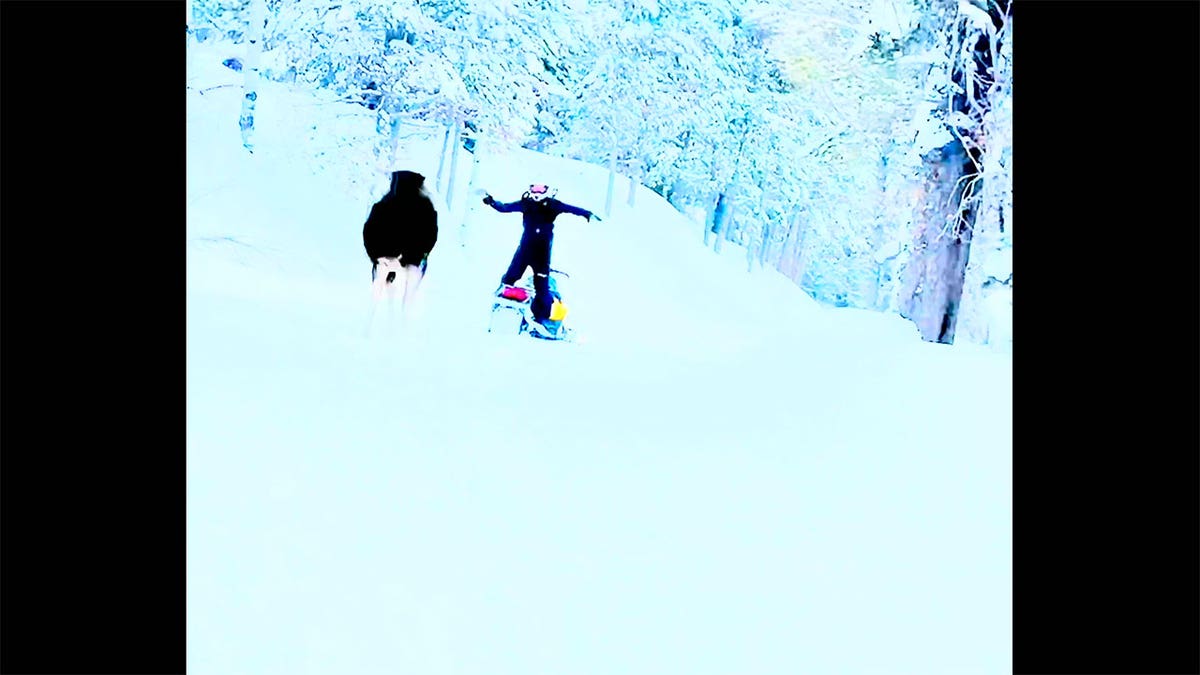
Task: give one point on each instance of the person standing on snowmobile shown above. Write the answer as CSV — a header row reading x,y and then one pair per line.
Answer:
x,y
539,209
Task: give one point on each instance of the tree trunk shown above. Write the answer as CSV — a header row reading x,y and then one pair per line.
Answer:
x,y
765,230
789,241
784,263
716,214
632,188
797,261
250,81
612,177
802,243
724,226
750,256
935,276
933,279
984,308
442,157
726,221
985,312
454,150
387,133
709,212
749,242
477,156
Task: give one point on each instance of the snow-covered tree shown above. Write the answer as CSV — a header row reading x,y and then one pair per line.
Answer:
x,y
984,313
250,70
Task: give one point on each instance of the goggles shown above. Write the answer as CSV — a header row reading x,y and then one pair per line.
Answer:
x,y
539,192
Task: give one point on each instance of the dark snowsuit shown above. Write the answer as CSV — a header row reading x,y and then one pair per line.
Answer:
x,y
402,223
536,241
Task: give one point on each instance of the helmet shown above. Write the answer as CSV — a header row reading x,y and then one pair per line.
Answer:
x,y
539,191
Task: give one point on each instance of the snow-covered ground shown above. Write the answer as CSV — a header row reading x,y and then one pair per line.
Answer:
x,y
723,477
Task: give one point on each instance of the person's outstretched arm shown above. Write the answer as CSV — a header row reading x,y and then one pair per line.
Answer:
x,y
502,207
575,210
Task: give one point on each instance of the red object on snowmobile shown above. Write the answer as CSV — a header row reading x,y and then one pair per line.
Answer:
x,y
515,293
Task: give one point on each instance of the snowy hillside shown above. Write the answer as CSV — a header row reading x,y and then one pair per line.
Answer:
x,y
723,477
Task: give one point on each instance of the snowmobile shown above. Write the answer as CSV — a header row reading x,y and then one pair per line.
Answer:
x,y
512,310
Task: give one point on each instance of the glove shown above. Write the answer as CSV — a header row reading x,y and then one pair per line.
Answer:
x,y
487,199
592,216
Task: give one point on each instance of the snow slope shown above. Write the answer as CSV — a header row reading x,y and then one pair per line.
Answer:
x,y
723,478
